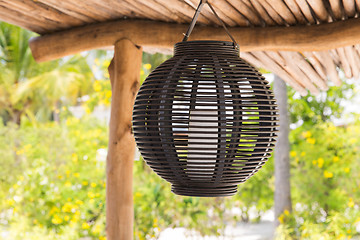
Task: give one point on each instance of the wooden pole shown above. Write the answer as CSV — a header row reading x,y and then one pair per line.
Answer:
x,y
161,35
124,73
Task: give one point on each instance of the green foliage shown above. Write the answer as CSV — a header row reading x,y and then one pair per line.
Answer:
x,y
36,90
325,170
329,105
58,183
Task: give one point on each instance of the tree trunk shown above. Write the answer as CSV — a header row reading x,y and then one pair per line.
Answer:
x,y
124,73
56,112
16,116
282,149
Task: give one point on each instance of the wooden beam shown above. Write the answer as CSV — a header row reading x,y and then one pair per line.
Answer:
x,y
164,35
124,73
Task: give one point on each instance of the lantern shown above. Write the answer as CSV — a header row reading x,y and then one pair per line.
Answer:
x,y
205,120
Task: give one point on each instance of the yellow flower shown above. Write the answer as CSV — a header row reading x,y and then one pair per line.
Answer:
x,y
314,162
97,229
77,175
311,140
79,202
281,218
336,158
85,225
91,195
138,195
56,219
87,109
293,154
97,86
353,140
96,61
35,221
10,202
147,66
306,134
93,184
320,162
142,72
67,207
74,157
351,203
108,94
66,218
102,238
54,210
67,184
328,174
85,183
67,173
340,236
106,74
347,170
302,154
332,128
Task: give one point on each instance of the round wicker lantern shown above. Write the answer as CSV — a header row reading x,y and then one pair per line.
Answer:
x,y
205,119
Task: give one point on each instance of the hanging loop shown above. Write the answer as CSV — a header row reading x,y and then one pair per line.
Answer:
x,y
195,17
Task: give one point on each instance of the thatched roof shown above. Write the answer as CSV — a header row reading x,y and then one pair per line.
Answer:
x,y
302,70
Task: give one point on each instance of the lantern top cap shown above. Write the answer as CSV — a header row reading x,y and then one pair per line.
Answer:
x,y
206,47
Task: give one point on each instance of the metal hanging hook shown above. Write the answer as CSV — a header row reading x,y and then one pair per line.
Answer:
x,y
195,17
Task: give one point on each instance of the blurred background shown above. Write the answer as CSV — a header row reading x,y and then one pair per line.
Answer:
x,y
53,147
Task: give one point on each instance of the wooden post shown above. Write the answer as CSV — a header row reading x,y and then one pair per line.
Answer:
x,y
124,73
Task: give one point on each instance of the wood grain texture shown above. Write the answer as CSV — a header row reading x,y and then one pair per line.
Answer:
x,y
316,64
305,9
272,13
301,77
225,9
247,11
295,9
165,35
283,11
319,8
353,60
325,58
349,7
345,65
337,9
262,12
124,73
262,59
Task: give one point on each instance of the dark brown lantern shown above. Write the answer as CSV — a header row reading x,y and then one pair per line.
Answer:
x,y
205,120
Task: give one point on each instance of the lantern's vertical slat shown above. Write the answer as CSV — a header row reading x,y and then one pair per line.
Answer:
x,y
124,73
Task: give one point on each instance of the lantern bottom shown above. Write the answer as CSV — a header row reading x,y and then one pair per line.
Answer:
x,y
203,191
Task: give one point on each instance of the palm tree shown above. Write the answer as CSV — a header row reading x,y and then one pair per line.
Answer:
x,y
36,89
282,161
